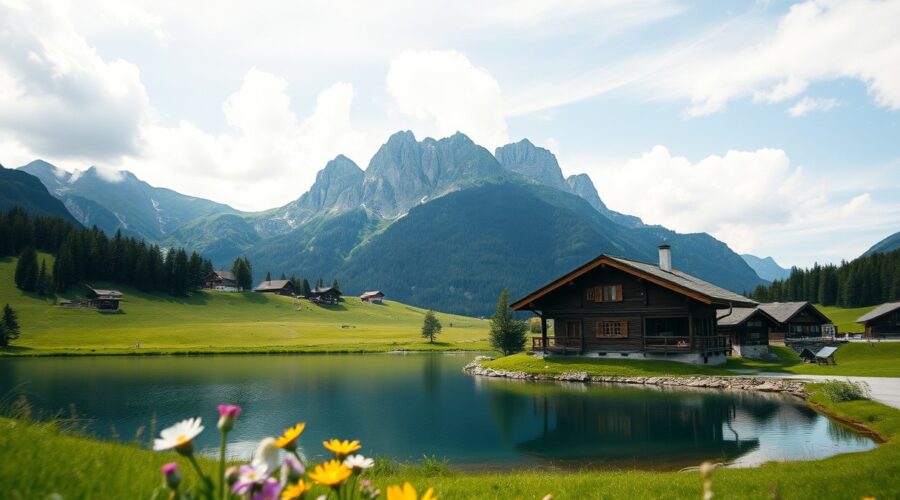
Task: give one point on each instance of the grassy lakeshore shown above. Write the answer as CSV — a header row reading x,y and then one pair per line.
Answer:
x,y
220,322
39,459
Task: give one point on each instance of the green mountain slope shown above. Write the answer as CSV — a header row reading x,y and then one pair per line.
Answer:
x,y
888,244
26,191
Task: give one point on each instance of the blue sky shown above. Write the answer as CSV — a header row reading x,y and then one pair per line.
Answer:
x,y
771,125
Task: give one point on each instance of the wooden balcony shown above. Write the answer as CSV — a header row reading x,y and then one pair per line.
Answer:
x,y
684,344
557,344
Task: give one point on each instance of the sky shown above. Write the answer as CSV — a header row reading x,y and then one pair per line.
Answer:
x,y
774,126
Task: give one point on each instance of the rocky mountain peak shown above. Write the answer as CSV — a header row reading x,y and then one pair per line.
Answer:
x,y
534,162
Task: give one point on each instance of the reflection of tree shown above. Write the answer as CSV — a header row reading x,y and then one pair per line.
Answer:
x,y
431,374
509,406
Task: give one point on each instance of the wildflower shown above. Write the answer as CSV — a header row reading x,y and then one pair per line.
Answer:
x,y
248,477
231,475
266,455
359,462
171,477
331,473
227,415
341,448
368,489
288,440
270,490
291,469
407,492
179,436
295,491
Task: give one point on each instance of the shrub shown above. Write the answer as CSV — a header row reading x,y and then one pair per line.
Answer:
x,y
838,391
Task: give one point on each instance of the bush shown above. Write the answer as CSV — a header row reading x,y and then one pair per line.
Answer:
x,y
838,391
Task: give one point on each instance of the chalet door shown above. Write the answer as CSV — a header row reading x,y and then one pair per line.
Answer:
x,y
573,332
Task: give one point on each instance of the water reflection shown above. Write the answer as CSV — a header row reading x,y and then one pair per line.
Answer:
x,y
407,406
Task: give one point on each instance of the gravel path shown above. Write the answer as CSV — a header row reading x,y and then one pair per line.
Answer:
x,y
884,389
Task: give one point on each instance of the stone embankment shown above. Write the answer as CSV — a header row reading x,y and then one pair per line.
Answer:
x,y
762,384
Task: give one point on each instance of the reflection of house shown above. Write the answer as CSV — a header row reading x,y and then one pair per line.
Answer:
x,y
281,287
796,320
619,307
328,295
375,297
883,321
748,328
104,300
223,281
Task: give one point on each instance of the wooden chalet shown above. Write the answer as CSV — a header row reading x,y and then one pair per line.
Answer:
x,y
796,321
326,295
223,281
104,300
883,321
619,307
373,297
281,287
748,330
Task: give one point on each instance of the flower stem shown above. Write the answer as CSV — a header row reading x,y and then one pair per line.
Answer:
x,y
207,484
222,446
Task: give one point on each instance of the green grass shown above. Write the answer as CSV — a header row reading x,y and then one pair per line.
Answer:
x,y
877,359
845,318
39,459
209,322
556,365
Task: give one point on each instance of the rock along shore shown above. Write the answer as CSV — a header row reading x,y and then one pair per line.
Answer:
x,y
762,384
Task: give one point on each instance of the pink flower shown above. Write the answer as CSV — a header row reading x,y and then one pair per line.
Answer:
x,y
171,477
270,490
227,415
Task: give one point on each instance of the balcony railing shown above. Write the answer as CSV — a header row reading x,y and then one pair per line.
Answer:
x,y
556,343
677,343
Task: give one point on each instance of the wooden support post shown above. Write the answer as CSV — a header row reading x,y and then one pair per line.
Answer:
x,y
544,333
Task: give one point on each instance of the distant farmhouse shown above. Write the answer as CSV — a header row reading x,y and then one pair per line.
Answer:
x,y
280,287
883,321
747,329
104,300
796,321
325,295
223,281
616,307
752,329
373,297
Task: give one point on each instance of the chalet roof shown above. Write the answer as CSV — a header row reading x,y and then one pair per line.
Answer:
x,y
225,275
273,285
785,311
739,315
106,294
878,312
324,290
374,293
674,280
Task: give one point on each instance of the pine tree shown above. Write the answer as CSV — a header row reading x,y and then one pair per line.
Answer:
x,y
268,276
43,281
507,333
283,276
26,276
243,273
431,326
9,326
304,288
335,285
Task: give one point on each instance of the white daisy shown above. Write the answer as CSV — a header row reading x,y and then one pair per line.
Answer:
x,y
179,435
266,455
359,462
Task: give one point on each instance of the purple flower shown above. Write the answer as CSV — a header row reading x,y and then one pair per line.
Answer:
x,y
291,469
270,490
171,477
248,477
227,415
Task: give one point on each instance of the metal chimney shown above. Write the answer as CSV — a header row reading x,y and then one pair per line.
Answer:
x,y
665,258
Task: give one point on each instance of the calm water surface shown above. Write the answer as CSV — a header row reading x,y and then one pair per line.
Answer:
x,y
407,406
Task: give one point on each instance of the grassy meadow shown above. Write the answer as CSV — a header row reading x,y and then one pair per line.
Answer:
x,y
845,318
225,322
76,466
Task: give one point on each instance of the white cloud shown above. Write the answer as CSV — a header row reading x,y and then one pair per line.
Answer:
x,y
446,93
856,205
792,87
808,104
57,96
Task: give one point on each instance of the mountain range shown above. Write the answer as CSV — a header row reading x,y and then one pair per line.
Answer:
x,y
438,223
766,267
18,189
886,245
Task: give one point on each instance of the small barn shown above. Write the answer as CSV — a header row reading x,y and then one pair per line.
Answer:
x,y
280,287
373,297
325,295
104,300
223,281
883,321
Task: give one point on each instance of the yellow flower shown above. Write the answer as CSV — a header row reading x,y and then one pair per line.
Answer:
x,y
332,473
341,448
295,491
288,440
407,492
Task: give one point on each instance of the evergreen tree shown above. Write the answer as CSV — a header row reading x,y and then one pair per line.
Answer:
x,y
268,276
9,326
26,276
283,277
335,285
43,281
304,288
243,273
507,333
431,326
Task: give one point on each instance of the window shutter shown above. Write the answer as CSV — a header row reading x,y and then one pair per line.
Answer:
x,y
624,327
618,293
598,294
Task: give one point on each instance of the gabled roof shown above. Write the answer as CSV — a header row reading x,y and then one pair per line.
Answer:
x,y
324,290
225,275
785,311
739,315
273,285
374,293
878,312
674,280
106,294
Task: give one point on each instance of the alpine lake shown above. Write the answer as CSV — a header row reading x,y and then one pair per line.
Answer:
x,y
410,406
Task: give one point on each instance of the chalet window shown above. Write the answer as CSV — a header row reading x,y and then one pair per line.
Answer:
x,y
612,329
589,294
754,322
573,328
608,293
